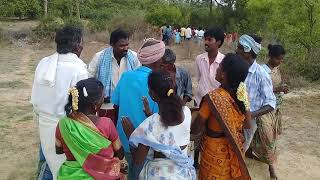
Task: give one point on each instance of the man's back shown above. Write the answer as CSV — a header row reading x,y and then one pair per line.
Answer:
x,y
51,100
128,94
188,32
201,33
183,31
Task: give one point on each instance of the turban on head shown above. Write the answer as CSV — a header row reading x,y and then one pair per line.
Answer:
x,y
152,53
249,44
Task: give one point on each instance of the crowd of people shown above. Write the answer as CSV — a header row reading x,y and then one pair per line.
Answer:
x,y
133,106
180,34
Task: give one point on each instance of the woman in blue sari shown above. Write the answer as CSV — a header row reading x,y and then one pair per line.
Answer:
x,y
161,140
177,36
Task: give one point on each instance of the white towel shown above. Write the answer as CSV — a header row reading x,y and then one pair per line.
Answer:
x,y
47,71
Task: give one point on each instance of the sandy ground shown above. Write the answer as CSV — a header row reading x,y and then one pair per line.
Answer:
x,y
299,145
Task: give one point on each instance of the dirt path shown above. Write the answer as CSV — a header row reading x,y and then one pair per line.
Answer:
x,y
299,145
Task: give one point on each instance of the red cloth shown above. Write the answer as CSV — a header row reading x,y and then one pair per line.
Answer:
x,y
109,113
108,130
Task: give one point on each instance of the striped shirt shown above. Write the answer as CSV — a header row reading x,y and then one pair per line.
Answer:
x,y
260,88
206,75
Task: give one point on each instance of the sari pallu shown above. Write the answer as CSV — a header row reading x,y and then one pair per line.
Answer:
x,y
85,142
222,157
176,166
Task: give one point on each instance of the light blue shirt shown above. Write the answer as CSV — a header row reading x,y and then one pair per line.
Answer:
x,y
266,68
133,85
260,88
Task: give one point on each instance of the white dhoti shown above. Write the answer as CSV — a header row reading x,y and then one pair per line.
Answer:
x,y
47,130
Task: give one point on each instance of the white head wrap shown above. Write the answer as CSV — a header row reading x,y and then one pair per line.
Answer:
x,y
249,44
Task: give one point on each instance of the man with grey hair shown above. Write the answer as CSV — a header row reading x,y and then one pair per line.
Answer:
x,y
182,76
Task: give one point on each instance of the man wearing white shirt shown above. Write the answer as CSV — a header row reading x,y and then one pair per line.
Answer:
x,y
196,31
188,33
54,76
200,36
109,64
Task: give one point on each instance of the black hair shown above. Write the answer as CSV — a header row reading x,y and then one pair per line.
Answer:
x,y
170,107
276,50
94,90
68,38
169,56
118,34
236,70
216,33
258,40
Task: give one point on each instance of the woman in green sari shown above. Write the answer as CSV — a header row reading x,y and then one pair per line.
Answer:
x,y
90,143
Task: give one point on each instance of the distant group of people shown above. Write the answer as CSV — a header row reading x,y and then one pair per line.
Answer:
x,y
180,34
133,105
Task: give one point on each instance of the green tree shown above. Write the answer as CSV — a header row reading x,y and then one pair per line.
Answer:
x,y
297,25
20,8
166,14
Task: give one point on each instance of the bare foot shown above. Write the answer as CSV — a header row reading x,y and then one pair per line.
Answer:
x,y
272,172
251,155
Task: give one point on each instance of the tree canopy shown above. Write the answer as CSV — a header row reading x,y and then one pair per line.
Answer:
x,y
295,24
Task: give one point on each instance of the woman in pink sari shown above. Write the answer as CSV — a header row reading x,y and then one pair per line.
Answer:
x,y
90,143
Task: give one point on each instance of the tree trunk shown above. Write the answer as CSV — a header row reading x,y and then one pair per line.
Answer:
x,y
78,9
211,4
45,8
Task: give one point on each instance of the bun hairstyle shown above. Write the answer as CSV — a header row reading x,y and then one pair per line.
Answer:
x,y
170,105
276,50
236,70
89,93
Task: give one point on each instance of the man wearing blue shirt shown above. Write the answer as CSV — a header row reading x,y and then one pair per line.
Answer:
x,y
259,84
131,89
262,101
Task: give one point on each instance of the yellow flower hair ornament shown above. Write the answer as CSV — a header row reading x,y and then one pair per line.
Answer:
x,y
170,92
242,95
75,98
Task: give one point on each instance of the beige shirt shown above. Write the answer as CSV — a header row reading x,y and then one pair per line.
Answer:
x,y
183,31
117,70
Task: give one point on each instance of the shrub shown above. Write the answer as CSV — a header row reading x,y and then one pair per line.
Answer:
x,y
165,14
97,25
48,26
75,22
132,21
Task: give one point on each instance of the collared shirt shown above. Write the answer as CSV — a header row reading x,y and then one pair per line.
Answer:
x,y
196,32
183,31
184,82
52,100
201,33
117,70
259,87
128,94
206,75
188,33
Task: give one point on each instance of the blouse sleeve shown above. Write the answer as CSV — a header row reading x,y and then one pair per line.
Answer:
x,y
204,111
111,131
